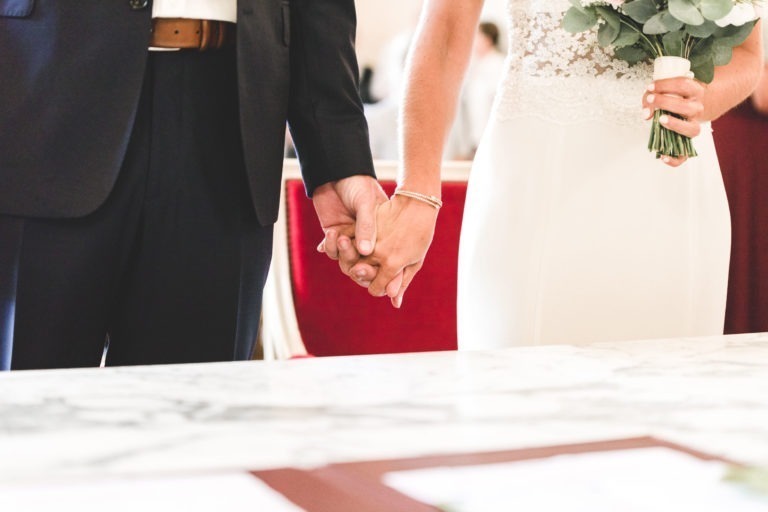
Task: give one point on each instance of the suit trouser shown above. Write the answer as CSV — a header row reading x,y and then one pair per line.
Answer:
x,y
172,266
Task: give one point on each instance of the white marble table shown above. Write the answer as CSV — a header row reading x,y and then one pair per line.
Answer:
x,y
709,394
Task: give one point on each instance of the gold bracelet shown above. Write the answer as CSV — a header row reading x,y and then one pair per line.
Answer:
x,y
430,200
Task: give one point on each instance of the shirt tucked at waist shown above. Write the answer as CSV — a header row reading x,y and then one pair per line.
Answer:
x,y
223,10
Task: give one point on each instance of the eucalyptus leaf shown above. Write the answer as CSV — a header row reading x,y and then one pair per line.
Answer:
x,y
610,16
662,23
721,55
686,11
632,54
627,37
673,43
715,9
671,22
607,34
640,10
734,36
704,71
701,51
576,20
702,31
655,25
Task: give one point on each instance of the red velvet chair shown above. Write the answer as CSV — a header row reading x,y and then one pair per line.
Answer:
x,y
337,317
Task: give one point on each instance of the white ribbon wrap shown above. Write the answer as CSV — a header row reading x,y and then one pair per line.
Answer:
x,y
671,67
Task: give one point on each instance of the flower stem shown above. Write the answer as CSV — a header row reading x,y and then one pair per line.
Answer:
x,y
665,142
653,46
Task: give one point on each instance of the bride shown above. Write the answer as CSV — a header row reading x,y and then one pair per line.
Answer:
x,y
573,232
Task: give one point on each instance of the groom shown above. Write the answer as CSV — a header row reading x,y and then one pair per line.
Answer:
x,y
141,146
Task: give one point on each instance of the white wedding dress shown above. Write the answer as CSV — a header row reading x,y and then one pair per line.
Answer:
x,y
573,232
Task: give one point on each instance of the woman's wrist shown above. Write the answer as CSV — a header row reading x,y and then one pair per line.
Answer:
x,y
405,203
433,201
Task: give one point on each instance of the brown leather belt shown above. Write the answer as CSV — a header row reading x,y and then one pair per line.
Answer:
x,y
192,34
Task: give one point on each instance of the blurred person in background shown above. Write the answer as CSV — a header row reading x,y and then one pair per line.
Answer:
x,y
474,107
386,89
485,71
741,137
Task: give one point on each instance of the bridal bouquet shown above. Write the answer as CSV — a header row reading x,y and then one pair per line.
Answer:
x,y
682,37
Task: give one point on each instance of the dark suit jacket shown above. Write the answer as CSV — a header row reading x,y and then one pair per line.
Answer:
x,y
71,72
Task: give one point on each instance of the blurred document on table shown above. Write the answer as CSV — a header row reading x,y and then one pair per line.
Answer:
x,y
230,492
636,480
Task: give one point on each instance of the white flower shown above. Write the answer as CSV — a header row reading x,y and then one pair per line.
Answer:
x,y
741,13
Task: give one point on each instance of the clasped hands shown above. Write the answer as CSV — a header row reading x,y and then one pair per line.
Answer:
x,y
681,96
380,243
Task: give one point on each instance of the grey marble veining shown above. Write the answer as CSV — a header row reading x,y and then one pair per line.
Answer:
x,y
707,393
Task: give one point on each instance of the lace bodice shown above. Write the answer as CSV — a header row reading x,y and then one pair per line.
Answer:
x,y
563,77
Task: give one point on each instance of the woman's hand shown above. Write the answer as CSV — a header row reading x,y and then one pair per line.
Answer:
x,y
405,229
681,96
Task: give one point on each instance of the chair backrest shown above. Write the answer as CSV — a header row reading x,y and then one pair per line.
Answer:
x,y
337,317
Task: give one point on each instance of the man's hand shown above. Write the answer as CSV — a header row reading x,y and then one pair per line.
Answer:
x,y
348,208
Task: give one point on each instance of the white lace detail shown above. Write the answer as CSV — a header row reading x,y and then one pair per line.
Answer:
x,y
563,77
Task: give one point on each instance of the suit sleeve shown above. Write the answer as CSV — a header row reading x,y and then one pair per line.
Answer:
x,y
325,113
